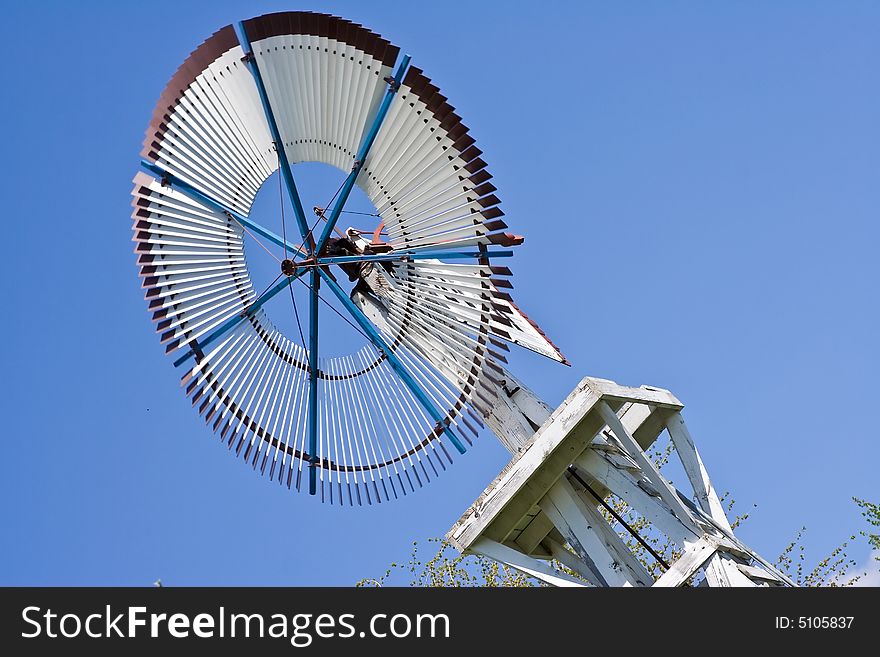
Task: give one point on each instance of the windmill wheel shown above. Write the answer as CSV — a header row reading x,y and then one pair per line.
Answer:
x,y
386,416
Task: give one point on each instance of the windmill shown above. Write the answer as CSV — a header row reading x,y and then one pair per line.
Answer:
x,y
425,297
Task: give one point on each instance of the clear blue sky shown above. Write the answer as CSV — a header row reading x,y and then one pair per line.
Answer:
x,y
698,184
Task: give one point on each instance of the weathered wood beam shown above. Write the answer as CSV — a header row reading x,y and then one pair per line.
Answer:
x,y
650,471
692,560
696,472
591,537
625,486
536,531
515,559
570,560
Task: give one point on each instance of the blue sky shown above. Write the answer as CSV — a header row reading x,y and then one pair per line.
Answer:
x,y
698,188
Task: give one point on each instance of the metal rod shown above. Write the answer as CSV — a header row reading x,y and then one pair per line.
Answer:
x,y
169,179
617,517
313,378
286,172
393,360
420,255
363,151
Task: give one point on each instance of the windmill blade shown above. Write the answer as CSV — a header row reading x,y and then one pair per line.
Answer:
x,y
373,423
451,287
523,331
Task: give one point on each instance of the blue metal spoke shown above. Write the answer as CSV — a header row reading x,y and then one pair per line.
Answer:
x,y
396,364
199,196
232,322
366,144
286,172
420,255
313,380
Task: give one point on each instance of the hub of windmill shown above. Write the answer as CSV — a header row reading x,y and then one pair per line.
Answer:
x,y
288,267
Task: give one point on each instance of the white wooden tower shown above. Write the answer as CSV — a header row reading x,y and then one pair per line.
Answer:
x,y
544,507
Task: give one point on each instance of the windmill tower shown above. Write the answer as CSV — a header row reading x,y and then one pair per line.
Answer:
x,y
423,367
